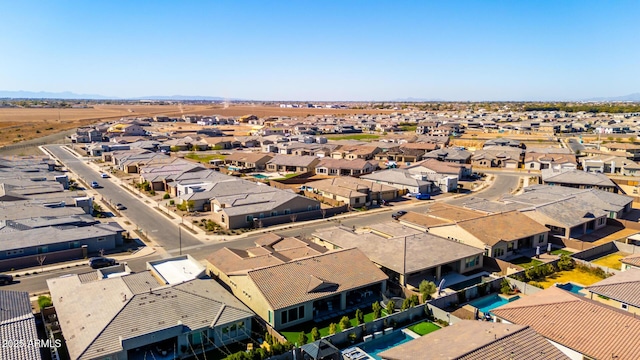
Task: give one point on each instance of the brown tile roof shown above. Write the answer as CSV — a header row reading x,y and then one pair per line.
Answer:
x,y
438,166
288,284
633,260
247,157
422,220
453,213
274,252
355,164
420,146
492,229
556,158
623,286
586,326
471,340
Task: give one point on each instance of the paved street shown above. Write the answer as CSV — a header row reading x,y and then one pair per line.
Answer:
x,y
153,224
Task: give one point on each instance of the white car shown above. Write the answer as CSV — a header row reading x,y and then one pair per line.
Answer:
x,y
104,175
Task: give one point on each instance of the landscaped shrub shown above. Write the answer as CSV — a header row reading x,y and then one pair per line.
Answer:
x,y
44,301
566,262
391,306
359,317
315,334
427,288
377,310
166,196
333,328
302,338
345,323
505,287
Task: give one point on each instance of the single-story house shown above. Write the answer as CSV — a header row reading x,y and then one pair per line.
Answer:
x,y
343,167
285,287
401,179
352,191
620,291
578,179
18,329
247,161
292,163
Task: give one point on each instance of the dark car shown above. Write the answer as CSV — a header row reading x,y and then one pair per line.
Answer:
x,y
120,207
6,279
100,262
396,215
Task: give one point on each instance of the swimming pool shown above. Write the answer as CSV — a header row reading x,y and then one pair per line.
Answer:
x,y
486,304
571,287
385,342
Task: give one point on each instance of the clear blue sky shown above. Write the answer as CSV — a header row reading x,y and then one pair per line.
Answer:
x,y
323,50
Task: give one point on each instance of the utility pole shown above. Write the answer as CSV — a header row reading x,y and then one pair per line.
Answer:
x,y
404,263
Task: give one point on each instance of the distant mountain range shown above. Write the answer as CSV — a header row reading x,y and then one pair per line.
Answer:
x,y
67,95
631,97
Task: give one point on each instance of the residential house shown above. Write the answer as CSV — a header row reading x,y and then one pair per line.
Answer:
x,y
497,156
289,283
432,166
247,161
247,204
541,161
451,154
352,191
610,164
632,151
477,340
578,179
18,330
574,324
496,234
620,291
567,212
630,262
168,310
401,179
292,163
406,255
86,135
124,129
343,167
503,142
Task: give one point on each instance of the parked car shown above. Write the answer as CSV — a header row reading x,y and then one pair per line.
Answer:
x,y
100,262
423,196
120,207
6,279
104,175
396,215
95,185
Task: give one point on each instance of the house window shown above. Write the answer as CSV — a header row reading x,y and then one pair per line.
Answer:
x,y
261,215
74,244
510,247
249,218
274,213
15,252
222,219
43,249
531,165
283,317
101,239
357,200
498,252
624,306
287,211
540,239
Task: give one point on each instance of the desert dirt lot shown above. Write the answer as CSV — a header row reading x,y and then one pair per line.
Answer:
x,y
18,125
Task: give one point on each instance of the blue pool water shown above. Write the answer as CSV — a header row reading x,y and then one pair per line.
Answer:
x,y
571,287
386,342
486,304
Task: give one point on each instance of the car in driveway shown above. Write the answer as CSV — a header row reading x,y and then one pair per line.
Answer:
x,y
95,185
120,207
104,175
396,215
6,279
101,261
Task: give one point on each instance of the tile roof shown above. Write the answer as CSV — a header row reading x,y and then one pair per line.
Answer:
x,y
623,286
17,323
95,316
453,213
288,284
492,229
586,326
396,176
633,260
424,250
471,340
575,177
293,160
